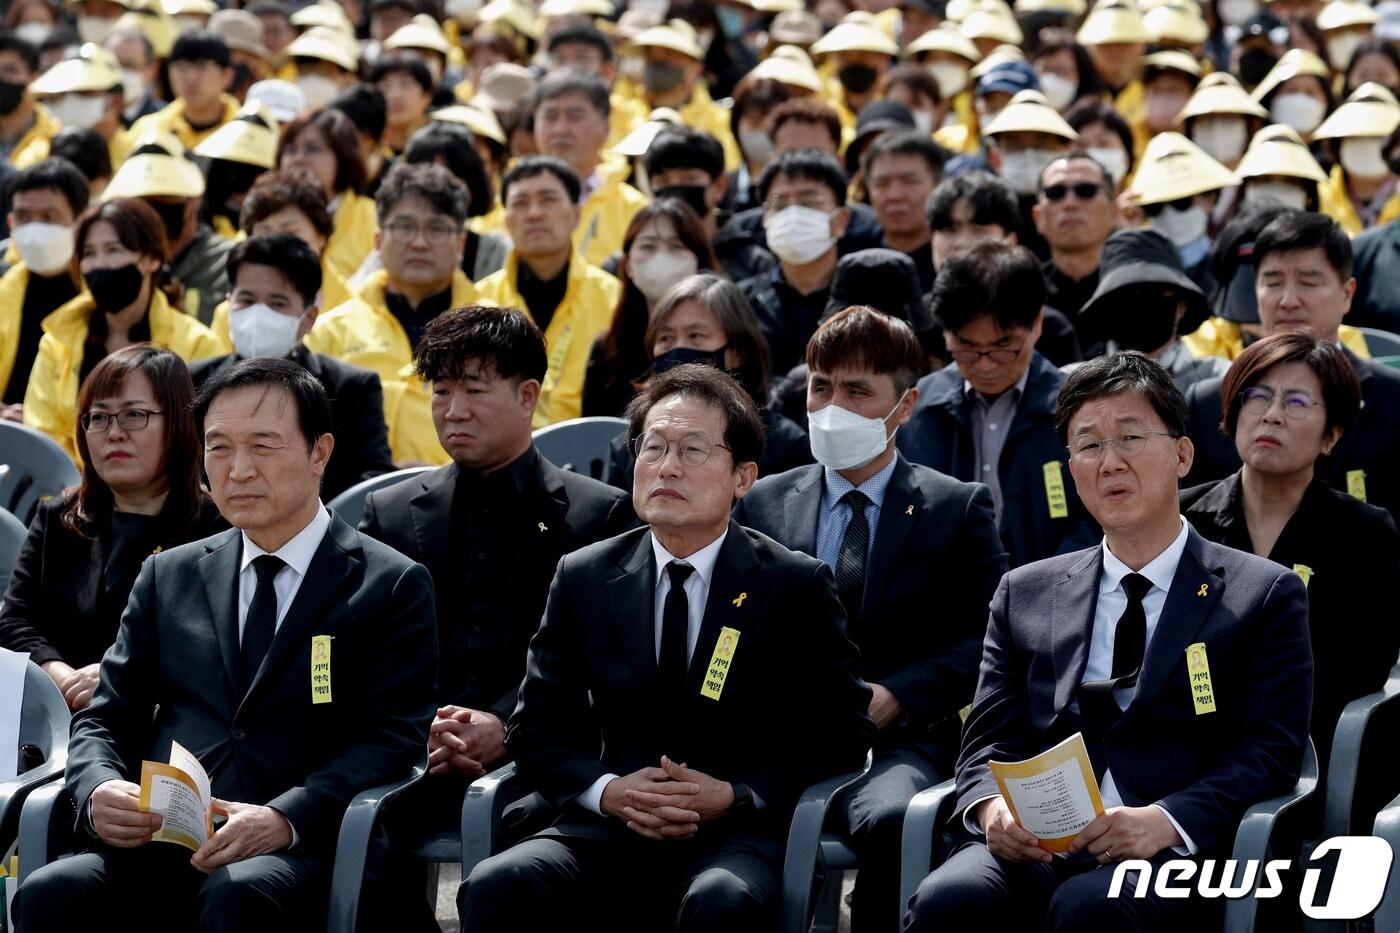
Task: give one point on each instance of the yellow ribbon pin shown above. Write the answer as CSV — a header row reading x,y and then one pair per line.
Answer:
x,y
739,601
1204,590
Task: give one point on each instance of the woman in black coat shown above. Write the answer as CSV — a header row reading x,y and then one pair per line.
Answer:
x,y
1287,399
140,494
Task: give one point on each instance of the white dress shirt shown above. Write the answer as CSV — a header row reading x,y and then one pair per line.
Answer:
x,y
296,554
697,591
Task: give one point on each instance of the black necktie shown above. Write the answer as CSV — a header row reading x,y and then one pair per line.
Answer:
x,y
1129,641
674,662
261,622
850,562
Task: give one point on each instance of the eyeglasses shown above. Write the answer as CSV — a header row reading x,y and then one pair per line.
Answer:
x,y
999,355
1179,205
1084,191
437,232
814,201
1127,445
128,419
1296,405
695,449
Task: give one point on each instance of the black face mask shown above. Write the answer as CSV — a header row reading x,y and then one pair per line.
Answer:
x,y
242,77
173,216
682,355
857,78
1144,321
10,96
114,289
694,195
1254,65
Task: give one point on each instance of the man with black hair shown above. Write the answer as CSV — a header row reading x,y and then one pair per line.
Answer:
x,y
276,17
200,75
273,283
89,153
685,163
546,275
901,170
987,418
366,107
1074,211
45,200
25,126
804,214
386,17
293,656
407,86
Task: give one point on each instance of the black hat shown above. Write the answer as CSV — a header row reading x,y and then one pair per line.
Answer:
x,y
1232,263
1144,257
876,117
885,279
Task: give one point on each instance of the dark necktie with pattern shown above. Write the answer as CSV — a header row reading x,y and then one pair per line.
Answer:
x,y
1129,642
850,561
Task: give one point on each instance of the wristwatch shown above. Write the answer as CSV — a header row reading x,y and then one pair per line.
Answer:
x,y
743,798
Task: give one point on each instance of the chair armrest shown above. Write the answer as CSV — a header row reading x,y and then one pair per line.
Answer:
x,y
804,843
45,826
1344,766
352,849
918,846
1387,827
1255,834
14,792
486,799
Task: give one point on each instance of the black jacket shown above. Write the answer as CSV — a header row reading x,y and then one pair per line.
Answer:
x,y
64,603
554,512
1377,270
357,416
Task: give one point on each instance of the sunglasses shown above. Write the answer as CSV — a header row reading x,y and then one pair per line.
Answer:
x,y
1084,191
1180,204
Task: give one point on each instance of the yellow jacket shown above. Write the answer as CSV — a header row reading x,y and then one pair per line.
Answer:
x,y
353,237
1334,201
624,115
51,400
493,221
703,113
604,218
586,311
1219,337
334,293
12,288
33,146
363,332
172,119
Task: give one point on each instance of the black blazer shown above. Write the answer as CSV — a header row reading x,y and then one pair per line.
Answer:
x,y
58,606
1352,555
171,676
357,416
1371,445
1207,769
481,661
936,560
792,711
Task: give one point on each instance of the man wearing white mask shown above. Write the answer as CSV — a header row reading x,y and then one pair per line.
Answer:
x,y
804,213
140,73
275,282
45,200
899,538
86,93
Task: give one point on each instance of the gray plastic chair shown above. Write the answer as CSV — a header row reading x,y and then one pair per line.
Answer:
x,y
1381,342
12,535
32,468
816,856
581,445
1387,827
921,847
45,827
43,722
1359,721
349,506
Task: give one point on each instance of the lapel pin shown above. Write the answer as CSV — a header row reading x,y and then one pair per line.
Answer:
x,y
1204,590
739,602
158,549
543,526
909,511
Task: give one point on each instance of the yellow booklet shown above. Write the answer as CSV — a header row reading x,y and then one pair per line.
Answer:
x,y
1053,795
179,792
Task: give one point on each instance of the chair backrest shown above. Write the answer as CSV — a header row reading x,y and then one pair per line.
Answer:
x,y
44,717
1381,342
12,533
32,468
350,504
1392,361
580,445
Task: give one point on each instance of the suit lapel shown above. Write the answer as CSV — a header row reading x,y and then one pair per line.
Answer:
x,y
431,514
724,608
1072,625
219,570
632,592
1195,592
801,506
893,528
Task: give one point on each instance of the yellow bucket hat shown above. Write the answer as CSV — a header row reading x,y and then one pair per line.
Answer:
x,y
1294,62
250,138
945,37
1279,150
1030,112
481,123
1176,22
156,167
1113,21
94,70
855,37
421,32
326,44
1173,167
1370,111
1220,93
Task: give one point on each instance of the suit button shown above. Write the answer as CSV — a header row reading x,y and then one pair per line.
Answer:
x,y
238,735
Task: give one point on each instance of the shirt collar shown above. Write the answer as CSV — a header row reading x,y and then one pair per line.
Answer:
x,y
702,560
1019,388
874,488
297,552
1160,570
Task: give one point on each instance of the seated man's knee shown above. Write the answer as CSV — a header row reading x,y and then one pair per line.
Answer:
x,y
720,896
226,902
1081,903
949,895
52,898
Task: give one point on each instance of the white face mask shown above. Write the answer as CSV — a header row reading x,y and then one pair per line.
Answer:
x,y
1223,138
1181,227
1021,170
1058,90
1362,157
1237,12
94,28
317,89
1276,192
78,110
33,33
659,271
658,7
844,440
799,235
757,145
1341,47
188,23
463,11
45,248
951,78
1300,111
257,330
923,122
632,67
1114,161
133,87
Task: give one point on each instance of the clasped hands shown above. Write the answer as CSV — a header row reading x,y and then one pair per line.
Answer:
x,y
1116,834
669,802
464,740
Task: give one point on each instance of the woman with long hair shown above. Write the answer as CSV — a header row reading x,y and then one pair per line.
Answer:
x,y
324,143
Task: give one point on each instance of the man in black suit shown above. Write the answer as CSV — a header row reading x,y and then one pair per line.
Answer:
x,y
215,652
916,556
688,681
1303,281
273,284
1109,642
